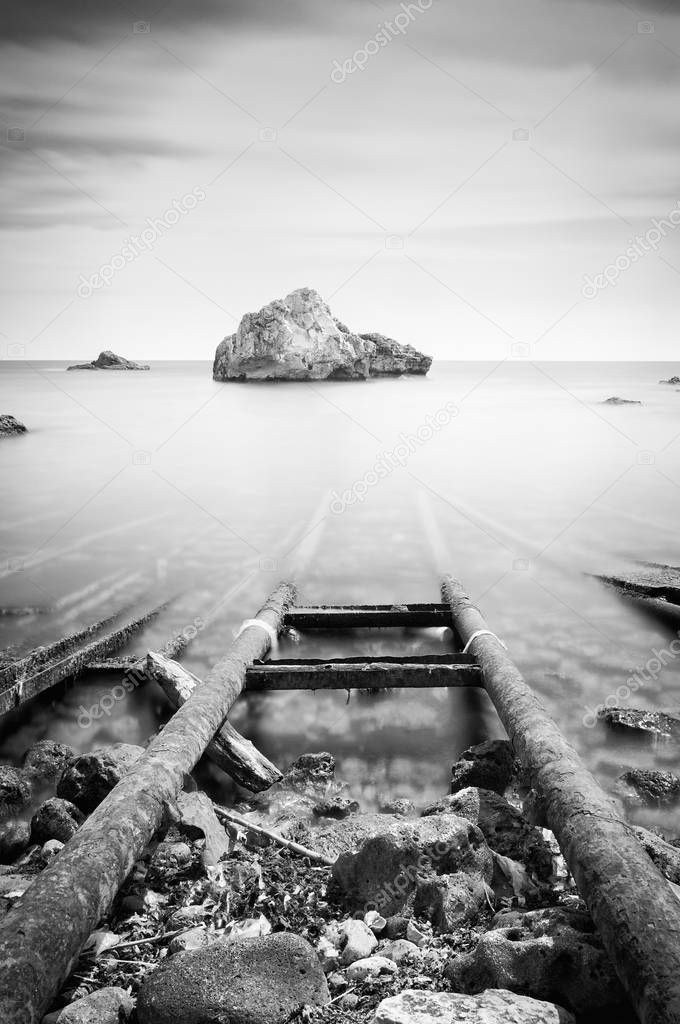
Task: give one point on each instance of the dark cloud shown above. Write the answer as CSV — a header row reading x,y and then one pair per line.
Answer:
x,y
88,20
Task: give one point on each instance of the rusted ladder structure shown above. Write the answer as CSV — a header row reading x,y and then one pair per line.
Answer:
x,y
635,910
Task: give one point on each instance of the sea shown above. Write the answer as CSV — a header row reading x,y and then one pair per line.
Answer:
x,y
132,490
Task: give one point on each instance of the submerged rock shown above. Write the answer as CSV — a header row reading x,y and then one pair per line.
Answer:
x,y
493,1007
649,787
253,981
647,724
108,360
548,954
9,425
297,338
92,776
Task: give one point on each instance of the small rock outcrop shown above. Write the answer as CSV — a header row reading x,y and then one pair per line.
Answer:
x,y
550,954
10,425
297,338
642,723
616,400
108,360
413,1006
671,380
92,776
252,981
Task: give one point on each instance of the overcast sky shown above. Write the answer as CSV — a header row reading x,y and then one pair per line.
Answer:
x,y
453,191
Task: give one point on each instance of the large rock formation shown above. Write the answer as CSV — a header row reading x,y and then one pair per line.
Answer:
x,y
297,338
9,425
108,360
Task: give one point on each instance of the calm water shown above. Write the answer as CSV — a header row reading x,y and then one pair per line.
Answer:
x,y
132,487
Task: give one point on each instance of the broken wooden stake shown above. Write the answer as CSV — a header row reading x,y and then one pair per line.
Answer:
x,y
635,910
42,935
229,750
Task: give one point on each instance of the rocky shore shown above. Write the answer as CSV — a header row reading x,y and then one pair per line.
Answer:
x,y
298,338
108,360
460,910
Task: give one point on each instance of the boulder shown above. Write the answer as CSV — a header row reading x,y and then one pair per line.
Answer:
x,y
297,338
106,1006
400,805
337,807
9,425
671,380
413,1006
449,901
253,981
642,723
91,777
47,760
488,765
645,787
550,954
15,789
108,360
14,839
503,826
400,949
395,854
56,819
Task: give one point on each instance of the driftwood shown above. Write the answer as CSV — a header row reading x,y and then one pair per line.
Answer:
x,y
259,830
41,936
229,750
635,910
42,668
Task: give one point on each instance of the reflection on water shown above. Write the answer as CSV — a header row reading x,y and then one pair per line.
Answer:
x,y
130,486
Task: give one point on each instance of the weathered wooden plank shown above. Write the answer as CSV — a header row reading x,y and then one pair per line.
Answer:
x,y
332,617
636,912
365,673
229,750
44,932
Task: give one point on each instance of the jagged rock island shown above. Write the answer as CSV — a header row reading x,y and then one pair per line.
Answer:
x,y
9,425
108,360
298,338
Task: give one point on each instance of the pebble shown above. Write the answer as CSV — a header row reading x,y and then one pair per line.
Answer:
x,y
193,939
51,848
400,949
358,941
370,967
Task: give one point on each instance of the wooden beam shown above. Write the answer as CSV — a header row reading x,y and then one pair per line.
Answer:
x,y
229,750
636,912
433,670
360,616
45,666
43,933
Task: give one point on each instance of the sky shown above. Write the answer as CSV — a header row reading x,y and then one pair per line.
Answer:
x,y
483,179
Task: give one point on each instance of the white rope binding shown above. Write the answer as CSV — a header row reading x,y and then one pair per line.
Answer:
x,y
247,623
483,632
